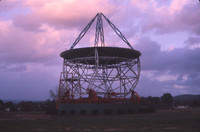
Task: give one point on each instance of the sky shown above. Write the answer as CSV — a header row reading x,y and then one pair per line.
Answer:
x,y
33,33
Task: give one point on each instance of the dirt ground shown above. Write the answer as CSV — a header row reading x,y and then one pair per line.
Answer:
x,y
160,121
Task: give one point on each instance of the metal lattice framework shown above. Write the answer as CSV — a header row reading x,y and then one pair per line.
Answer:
x,y
99,74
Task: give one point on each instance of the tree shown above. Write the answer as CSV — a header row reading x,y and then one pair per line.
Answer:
x,y
28,106
1,105
50,107
10,105
167,100
53,94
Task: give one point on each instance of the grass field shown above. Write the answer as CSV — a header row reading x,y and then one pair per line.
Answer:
x,y
160,121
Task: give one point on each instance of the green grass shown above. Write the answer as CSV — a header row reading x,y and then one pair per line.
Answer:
x,y
161,121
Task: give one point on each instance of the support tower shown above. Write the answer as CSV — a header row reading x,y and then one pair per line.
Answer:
x,y
99,74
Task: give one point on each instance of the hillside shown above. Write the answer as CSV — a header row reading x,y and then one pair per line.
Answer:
x,y
187,97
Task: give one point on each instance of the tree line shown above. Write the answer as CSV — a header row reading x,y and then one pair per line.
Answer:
x,y
49,106
166,101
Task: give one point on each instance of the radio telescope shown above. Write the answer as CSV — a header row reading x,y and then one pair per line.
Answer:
x,y
99,74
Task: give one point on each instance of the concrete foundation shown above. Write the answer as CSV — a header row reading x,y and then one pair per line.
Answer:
x,y
98,109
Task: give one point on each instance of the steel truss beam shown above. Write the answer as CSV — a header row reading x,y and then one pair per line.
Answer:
x,y
118,78
99,31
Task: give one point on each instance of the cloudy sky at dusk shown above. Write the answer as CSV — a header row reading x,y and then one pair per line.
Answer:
x,y
34,32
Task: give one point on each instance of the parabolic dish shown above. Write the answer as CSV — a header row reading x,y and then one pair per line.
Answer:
x,y
106,55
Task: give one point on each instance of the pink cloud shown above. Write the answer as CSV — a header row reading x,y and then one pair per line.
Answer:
x,y
61,13
179,16
18,45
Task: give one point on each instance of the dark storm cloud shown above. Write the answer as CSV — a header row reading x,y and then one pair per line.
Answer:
x,y
174,71
178,60
28,85
192,41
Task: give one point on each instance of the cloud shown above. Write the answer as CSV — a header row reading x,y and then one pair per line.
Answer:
x,y
33,83
61,14
7,5
178,60
193,41
176,16
173,70
20,46
13,68
33,33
